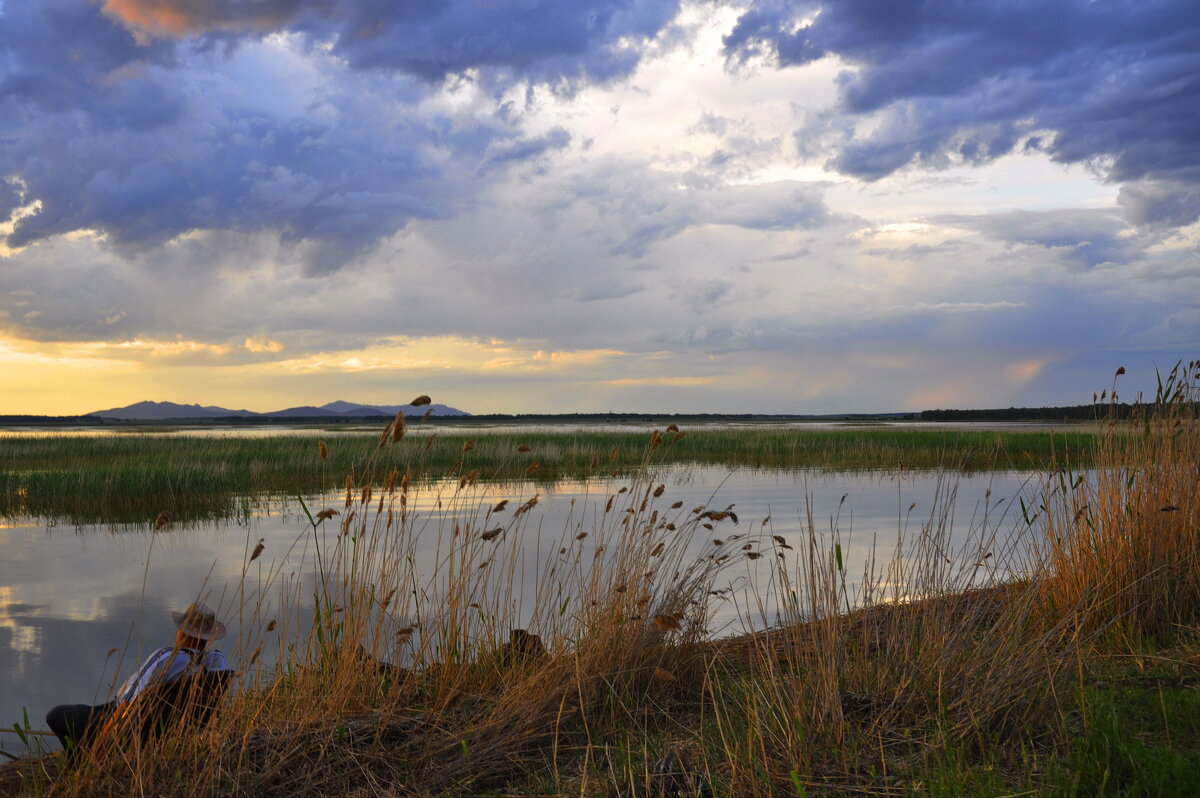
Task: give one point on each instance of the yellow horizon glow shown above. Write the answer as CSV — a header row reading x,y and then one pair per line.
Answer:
x,y
257,372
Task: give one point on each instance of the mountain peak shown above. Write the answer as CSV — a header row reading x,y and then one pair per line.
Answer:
x,y
166,411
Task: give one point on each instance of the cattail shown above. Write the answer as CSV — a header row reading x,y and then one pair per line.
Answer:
x,y
669,623
323,450
258,550
420,400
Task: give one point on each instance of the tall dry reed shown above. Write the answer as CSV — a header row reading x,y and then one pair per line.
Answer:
x,y
1123,541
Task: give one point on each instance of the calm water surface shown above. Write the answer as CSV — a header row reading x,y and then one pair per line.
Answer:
x,y
80,607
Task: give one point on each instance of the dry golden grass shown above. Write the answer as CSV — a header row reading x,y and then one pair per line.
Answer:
x,y
411,683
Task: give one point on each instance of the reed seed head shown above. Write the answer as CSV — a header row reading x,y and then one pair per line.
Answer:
x,y
668,622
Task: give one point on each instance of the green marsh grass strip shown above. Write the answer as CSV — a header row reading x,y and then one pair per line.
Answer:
x,y
131,477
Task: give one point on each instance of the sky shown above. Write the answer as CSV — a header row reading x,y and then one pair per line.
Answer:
x,y
765,206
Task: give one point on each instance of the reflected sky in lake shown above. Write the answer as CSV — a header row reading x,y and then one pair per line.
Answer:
x,y
80,607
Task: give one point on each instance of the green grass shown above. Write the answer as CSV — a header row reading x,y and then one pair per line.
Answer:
x,y
1140,731
131,477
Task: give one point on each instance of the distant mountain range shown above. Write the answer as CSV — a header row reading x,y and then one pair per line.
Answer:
x,y
162,411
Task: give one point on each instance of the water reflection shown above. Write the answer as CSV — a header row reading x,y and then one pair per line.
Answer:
x,y
80,607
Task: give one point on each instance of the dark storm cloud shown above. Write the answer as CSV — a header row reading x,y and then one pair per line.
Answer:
x,y
1112,84
121,118
543,40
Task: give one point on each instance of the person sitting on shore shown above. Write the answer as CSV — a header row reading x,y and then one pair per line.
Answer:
x,y
77,725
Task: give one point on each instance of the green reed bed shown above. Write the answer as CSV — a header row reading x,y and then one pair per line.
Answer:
x,y
132,477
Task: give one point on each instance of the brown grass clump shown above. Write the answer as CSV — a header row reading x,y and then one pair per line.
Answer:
x,y
377,677
1122,541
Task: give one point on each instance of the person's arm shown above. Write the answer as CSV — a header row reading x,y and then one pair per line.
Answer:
x,y
163,665
214,660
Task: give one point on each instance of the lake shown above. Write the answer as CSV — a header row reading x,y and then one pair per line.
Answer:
x,y
80,606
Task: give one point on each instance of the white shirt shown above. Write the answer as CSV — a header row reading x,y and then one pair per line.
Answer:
x,y
167,665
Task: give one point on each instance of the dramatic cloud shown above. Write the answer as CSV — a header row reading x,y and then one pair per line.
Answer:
x,y
542,41
1112,84
327,131
604,204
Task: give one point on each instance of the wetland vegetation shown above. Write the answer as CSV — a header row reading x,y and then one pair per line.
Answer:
x,y
1075,679
131,477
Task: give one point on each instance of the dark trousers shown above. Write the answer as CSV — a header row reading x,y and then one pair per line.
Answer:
x,y
76,725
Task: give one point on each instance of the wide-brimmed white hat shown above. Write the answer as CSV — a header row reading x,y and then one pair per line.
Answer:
x,y
199,621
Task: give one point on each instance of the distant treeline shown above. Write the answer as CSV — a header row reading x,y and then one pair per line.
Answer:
x,y
56,421
1073,413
